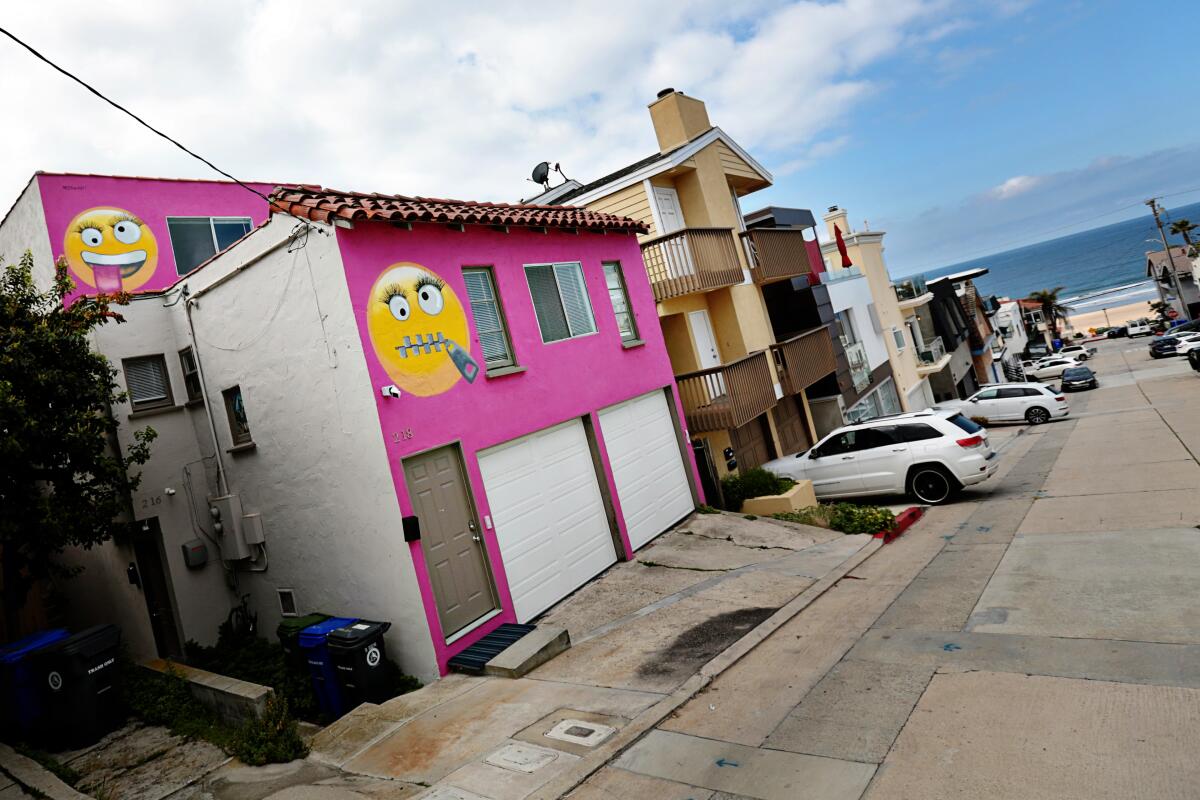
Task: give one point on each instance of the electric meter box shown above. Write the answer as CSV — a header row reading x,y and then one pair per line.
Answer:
x,y
195,553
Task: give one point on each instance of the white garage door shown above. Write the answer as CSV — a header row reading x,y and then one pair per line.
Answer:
x,y
652,485
548,514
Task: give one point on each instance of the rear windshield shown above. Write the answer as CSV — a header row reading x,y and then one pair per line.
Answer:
x,y
966,424
1077,372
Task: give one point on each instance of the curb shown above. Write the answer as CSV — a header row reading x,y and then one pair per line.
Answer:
x,y
644,722
904,520
33,776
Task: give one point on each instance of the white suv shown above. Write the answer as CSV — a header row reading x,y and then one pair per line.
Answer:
x,y
1051,367
1080,352
928,454
1034,403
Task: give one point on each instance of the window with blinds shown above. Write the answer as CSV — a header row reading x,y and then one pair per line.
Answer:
x,y
615,282
560,300
489,318
147,383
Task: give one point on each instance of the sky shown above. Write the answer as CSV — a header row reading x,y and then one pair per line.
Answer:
x,y
961,127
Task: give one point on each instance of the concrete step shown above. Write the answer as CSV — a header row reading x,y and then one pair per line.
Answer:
x,y
529,652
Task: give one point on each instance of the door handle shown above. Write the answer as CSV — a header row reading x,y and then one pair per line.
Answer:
x,y
847,458
475,538
471,524
898,450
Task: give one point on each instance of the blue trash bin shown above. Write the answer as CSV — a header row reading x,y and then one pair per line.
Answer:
x,y
324,676
20,694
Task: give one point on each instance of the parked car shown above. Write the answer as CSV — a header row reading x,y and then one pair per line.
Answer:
x,y
1051,367
1194,358
1166,346
1036,350
929,455
1190,349
1076,378
1117,332
1081,352
1034,403
1140,327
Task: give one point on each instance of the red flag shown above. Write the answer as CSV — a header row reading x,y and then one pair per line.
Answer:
x,y
841,243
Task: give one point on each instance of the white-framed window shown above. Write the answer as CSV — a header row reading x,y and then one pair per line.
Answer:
x,y
560,301
898,338
615,281
490,324
194,240
845,327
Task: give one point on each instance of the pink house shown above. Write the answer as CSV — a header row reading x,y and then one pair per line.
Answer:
x,y
445,414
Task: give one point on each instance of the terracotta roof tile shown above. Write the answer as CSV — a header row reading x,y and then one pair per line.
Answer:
x,y
318,204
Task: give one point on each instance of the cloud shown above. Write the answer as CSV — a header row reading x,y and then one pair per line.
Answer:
x,y
420,98
1018,184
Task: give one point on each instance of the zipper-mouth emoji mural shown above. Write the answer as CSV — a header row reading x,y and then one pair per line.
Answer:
x,y
419,330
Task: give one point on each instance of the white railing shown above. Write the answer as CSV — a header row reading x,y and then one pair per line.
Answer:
x,y
860,370
933,352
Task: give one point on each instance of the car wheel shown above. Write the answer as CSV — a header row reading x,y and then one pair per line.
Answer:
x,y
1037,416
931,485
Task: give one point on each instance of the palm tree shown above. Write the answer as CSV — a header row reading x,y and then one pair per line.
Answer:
x,y
1052,310
1184,228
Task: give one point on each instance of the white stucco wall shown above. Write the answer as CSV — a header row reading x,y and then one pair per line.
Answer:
x,y
24,228
854,294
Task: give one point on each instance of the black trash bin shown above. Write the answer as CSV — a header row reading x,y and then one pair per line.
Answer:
x,y
289,632
360,662
79,678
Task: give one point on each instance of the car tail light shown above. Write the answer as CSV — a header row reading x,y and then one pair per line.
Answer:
x,y
971,441
1062,398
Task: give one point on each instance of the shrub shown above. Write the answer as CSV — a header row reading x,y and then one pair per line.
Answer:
x,y
165,699
753,482
271,738
257,661
707,509
843,517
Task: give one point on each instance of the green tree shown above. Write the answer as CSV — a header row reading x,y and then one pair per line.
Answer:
x,y
63,479
1181,227
1052,309
1160,308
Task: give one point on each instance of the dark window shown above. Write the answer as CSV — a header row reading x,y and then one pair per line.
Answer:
x,y
560,301
194,240
918,432
964,423
1077,373
191,373
882,436
1029,391
988,394
147,382
1008,394
235,409
489,317
615,282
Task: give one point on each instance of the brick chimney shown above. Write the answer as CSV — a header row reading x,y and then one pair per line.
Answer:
x,y
677,119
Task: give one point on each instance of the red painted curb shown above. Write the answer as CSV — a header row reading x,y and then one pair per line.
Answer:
x,y
904,521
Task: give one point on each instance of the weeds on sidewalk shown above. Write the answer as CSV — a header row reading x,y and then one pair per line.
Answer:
x,y
843,517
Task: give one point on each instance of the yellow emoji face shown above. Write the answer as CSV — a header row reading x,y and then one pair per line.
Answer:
x,y
111,249
419,330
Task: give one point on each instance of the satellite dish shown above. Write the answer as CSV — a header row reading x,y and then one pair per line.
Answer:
x,y
541,174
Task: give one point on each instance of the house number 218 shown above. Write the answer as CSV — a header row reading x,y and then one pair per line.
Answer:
x,y
400,436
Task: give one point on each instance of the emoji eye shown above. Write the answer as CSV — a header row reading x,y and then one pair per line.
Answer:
x,y
430,299
127,232
398,305
91,237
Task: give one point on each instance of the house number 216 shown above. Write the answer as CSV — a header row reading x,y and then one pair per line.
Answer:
x,y
400,436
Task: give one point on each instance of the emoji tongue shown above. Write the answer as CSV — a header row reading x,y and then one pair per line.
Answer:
x,y
108,278
462,359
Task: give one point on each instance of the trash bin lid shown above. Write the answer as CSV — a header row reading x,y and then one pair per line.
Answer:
x,y
314,635
14,652
87,643
293,625
349,636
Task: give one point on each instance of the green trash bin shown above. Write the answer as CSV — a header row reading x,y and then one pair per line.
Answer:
x,y
288,631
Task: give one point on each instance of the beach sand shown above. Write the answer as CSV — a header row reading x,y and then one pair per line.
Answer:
x,y
1117,315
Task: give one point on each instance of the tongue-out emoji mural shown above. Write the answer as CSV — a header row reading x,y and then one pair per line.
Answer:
x,y
110,249
419,330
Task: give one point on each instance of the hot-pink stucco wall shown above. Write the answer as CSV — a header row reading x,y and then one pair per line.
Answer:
x,y
562,380
151,200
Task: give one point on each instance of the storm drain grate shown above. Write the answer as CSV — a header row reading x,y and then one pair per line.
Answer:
x,y
475,658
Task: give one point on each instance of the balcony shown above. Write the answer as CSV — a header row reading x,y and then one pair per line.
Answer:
x,y
912,292
803,360
840,274
728,396
932,357
860,368
776,254
691,260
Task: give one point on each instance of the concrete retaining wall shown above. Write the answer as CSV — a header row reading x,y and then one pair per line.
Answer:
x,y
233,700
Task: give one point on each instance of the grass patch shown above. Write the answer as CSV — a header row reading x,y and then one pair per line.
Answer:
x,y
707,509
61,771
843,517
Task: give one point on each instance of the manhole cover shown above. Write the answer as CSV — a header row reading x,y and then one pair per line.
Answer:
x,y
588,734
521,757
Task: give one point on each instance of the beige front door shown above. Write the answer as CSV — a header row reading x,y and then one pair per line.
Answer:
x,y
450,537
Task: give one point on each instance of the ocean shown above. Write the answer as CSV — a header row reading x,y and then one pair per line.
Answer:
x,y
1098,268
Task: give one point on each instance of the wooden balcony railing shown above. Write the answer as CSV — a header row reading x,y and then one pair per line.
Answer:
x,y
776,254
803,360
727,396
691,260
